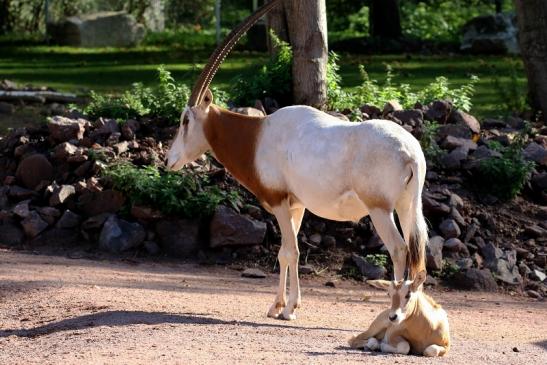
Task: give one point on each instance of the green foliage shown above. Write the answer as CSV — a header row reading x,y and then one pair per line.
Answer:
x,y
448,270
512,94
185,37
373,93
377,259
181,194
504,176
359,21
166,100
428,141
273,79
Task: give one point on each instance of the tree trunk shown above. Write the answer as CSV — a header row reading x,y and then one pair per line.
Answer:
x,y
532,23
277,22
5,21
307,24
499,6
385,19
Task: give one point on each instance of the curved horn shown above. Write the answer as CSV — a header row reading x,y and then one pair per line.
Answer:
x,y
222,51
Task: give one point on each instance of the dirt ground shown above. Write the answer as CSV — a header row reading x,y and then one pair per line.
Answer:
x,y
57,310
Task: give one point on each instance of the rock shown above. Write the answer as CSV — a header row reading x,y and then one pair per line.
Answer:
x,y
63,129
19,193
489,123
61,194
540,181
6,108
306,269
475,279
145,213
535,231
69,219
49,214
536,153
438,111
328,241
449,228
461,118
338,115
431,281
434,253
151,247
107,201
454,245
34,169
491,34
367,269
22,209
455,201
11,234
455,130
118,235
505,271
179,237
33,225
249,111
253,273
316,239
4,199
483,152
490,253
57,237
129,129
455,214
95,222
121,147
412,117
391,106
432,207
65,150
534,294
105,127
538,275
103,29
453,160
229,228
452,142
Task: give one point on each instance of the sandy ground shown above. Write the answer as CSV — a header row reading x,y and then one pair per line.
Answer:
x,y
56,310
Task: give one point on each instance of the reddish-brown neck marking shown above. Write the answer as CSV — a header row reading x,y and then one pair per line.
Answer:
x,y
233,138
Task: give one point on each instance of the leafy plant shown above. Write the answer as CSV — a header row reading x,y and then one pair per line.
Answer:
x,y
504,176
512,93
182,194
428,141
448,270
377,259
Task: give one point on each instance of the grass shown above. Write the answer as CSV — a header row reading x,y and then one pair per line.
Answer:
x,y
113,70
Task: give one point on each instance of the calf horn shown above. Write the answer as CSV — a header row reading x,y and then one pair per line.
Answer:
x,y
222,51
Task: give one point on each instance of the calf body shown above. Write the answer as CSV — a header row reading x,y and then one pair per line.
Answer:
x,y
415,324
300,158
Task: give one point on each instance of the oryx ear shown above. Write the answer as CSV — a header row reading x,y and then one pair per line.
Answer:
x,y
418,280
207,99
380,284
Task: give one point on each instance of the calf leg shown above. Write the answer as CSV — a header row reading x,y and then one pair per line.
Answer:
x,y
376,329
434,351
387,230
396,346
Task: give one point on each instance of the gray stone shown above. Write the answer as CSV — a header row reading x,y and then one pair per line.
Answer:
x,y
432,207
306,269
6,108
413,117
490,253
179,238
540,180
33,170
536,153
62,129
452,142
61,194
22,209
19,193
11,234
328,241
483,152
475,279
69,219
434,253
95,203
33,225
454,159
367,269
229,228
504,271
496,33
65,150
49,214
465,263
438,111
449,228
253,273
118,235
391,106
461,118
538,275
454,245
129,129
104,29
456,130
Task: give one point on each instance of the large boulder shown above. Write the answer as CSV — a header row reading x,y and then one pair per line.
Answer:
x,y
475,279
33,170
103,29
11,234
230,228
118,235
62,129
434,253
179,237
367,269
95,203
495,33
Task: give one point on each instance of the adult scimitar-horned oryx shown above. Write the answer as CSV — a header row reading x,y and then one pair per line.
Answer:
x,y
301,158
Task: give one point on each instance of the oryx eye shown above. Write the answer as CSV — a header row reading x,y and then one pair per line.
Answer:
x,y
407,296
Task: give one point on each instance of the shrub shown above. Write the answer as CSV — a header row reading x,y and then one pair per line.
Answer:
x,y
511,93
504,176
174,193
428,141
377,259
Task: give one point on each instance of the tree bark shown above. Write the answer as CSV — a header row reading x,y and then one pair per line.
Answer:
x,y
277,22
532,24
385,19
307,24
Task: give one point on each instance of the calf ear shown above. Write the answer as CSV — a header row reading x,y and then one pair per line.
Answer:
x,y
418,280
380,284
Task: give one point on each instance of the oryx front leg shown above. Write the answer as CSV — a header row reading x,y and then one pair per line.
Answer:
x,y
396,246
289,222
